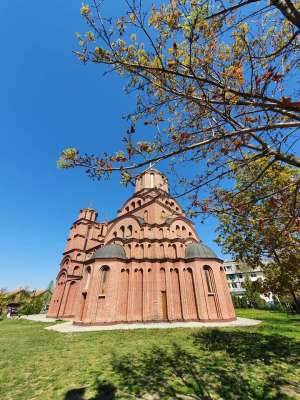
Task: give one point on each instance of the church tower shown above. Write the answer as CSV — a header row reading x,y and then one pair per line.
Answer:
x,y
147,264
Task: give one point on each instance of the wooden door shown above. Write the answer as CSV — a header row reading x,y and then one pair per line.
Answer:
x,y
164,305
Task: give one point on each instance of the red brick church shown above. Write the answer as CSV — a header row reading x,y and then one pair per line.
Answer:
x,y
148,264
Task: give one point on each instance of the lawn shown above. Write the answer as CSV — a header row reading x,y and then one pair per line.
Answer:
x,y
261,362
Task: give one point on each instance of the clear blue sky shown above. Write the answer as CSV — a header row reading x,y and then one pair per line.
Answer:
x,y
50,101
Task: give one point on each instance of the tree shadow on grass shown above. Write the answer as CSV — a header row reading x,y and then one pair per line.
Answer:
x,y
247,347
227,365
212,364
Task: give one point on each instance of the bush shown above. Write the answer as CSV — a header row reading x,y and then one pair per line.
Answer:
x,y
34,306
254,301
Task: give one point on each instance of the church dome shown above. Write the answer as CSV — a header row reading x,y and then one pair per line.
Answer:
x,y
110,251
151,178
199,250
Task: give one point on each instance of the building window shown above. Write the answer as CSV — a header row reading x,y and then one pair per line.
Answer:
x,y
103,277
253,275
129,231
146,216
209,278
151,180
88,277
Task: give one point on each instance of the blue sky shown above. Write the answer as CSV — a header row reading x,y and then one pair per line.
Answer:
x,y
50,101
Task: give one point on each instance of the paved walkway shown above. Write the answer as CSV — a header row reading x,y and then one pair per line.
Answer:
x,y
39,318
69,327
66,327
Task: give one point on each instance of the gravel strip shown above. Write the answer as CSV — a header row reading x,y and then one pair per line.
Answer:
x,y
69,327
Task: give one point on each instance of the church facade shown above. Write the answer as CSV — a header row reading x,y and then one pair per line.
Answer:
x,y
146,265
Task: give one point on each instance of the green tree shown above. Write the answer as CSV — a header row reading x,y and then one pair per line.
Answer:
x,y
3,301
213,80
252,294
266,234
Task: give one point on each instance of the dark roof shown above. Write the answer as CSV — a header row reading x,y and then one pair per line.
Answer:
x,y
110,251
199,250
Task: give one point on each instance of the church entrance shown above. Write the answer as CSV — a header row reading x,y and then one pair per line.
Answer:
x,y
164,305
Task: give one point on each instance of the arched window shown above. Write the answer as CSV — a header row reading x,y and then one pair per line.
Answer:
x,y
162,251
133,205
146,216
174,251
178,233
127,209
129,231
129,251
87,278
103,277
76,270
151,180
142,251
160,233
139,203
209,279
122,228
115,234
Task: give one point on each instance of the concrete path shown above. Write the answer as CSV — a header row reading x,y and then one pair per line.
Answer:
x,y
39,318
69,327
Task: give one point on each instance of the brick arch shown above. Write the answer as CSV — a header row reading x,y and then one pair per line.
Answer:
x,y
176,294
123,291
160,233
71,298
184,227
103,278
163,294
87,278
138,290
191,293
59,292
76,270
127,205
116,227
64,261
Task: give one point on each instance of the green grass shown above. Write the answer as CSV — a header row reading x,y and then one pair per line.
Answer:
x,y
261,362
